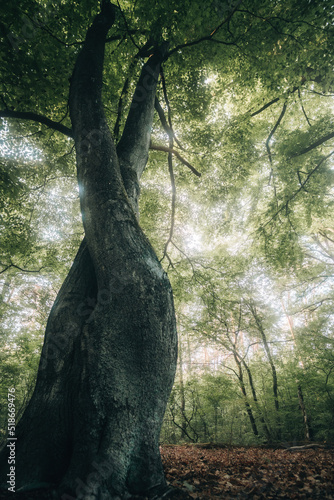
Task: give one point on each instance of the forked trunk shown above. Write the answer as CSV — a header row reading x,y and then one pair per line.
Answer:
x,y
92,426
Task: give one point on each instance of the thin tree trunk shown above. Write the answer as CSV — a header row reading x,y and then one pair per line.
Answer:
x,y
272,365
244,393
306,421
182,394
307,428
261,418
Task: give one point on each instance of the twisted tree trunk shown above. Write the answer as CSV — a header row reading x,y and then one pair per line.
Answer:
x,y
109,357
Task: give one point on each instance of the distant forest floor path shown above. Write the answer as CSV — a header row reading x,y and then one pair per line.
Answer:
x,y
206,472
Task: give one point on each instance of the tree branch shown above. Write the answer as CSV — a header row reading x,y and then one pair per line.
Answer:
x,y
300,189
172,181
309,148
127,26
273,101
267,20
314,145
170,165
143,52
27,115
177,154
324,235
120,103
268,145
168,129
265,106
136,135
208,37
21,269
303,109
270,136
47,30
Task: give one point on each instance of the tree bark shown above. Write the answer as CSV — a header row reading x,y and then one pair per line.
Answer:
x,y
308,432
307,428
182,394
244,393
108,362
256,402
272,365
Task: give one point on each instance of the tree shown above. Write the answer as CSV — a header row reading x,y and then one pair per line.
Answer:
x,y
109,355
95,395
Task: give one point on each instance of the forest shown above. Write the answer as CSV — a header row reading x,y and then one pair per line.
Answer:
x,y
233,146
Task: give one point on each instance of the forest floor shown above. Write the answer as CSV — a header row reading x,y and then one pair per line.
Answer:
x,y
249,473
211,471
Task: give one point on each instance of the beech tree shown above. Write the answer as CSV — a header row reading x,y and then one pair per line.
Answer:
x,y
121,361
109,355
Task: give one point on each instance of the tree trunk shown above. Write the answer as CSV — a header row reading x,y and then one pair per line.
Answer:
x,y
258,409
108,363
307,428
244,393
306,421
272,366
182,393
